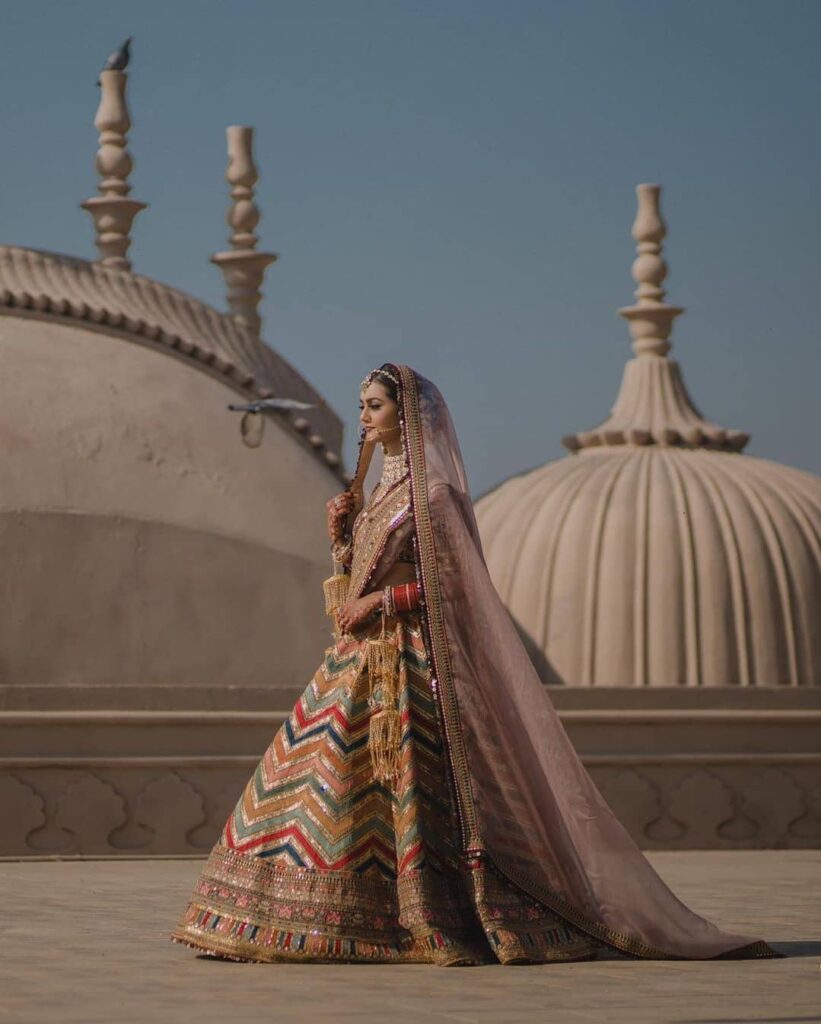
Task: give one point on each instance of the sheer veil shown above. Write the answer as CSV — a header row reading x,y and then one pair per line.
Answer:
x,y
526,804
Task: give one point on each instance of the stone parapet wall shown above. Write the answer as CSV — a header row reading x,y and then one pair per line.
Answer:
x,y
133,781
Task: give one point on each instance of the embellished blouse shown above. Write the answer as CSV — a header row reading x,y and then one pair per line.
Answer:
x,y
382,535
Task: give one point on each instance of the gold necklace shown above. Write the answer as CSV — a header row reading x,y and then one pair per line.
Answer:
x,y
394,468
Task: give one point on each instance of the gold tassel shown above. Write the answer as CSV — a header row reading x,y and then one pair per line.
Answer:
x,y
383,741
336,590
385,734
383,665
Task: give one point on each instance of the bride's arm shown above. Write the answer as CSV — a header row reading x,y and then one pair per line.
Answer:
x,y
393,600
403,597
395,588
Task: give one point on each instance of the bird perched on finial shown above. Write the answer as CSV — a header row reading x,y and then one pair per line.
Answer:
x,y
118,61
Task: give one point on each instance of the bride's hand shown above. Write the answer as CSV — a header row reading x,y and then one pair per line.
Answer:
x,y
356,611
338,509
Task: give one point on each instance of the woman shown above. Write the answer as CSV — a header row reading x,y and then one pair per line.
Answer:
x,y
423,803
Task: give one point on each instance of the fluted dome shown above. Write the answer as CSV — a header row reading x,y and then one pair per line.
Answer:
x,y
657,554
659,566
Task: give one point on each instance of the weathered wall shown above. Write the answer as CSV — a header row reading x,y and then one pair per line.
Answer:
x,y
142,542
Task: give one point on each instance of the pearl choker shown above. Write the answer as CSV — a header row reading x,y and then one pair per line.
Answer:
x,y
394,467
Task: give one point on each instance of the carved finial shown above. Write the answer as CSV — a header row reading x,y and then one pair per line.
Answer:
x,y
653,405
650,319
112,211
243,267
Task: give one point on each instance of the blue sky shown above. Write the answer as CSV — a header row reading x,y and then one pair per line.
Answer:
x,y
451,184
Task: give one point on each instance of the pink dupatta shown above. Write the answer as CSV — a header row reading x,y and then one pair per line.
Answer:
x,y
525,802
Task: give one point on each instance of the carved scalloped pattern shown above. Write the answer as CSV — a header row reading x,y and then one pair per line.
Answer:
x,y
171,807
702,803
775,801
654,407
634,799
22,813
174,813
91,810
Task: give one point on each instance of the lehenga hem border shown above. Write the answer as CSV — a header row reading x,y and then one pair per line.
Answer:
x,y
414,955
229,951
237,907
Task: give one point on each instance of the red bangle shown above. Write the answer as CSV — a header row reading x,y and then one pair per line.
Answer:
x,y
405,597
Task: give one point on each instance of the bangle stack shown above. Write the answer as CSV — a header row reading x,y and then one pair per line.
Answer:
x,y
406,597
403,598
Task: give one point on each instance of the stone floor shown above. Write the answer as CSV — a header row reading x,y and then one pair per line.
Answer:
x,y
86,942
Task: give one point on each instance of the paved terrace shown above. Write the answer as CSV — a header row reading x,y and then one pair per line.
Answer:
x,y
86,942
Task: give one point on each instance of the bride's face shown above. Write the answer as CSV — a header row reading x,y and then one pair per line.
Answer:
x,y
377,410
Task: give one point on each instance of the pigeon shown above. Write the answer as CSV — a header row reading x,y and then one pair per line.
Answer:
x,y
118,61
252,424
271,403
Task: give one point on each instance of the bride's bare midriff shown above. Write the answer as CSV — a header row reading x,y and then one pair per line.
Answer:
x,y
399,573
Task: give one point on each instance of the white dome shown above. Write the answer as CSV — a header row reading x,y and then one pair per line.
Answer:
x,y
653,566
657,554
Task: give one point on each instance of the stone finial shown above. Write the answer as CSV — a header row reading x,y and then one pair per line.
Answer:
x,y
112,210
242,266
653,405
650,319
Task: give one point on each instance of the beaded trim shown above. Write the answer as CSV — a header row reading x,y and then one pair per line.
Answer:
x,y
434,619
371,530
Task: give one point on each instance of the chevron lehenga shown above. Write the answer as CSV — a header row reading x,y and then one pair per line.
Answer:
x,y
319,861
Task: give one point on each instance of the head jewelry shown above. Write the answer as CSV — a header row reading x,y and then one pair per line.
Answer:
x,y
380,372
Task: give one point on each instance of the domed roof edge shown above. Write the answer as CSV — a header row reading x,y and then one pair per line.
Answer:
x,y
56,286
506,480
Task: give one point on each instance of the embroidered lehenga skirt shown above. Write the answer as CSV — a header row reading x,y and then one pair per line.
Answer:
x,y
319,861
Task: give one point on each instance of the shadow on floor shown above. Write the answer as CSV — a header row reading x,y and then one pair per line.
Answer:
x,y
803,947
752,1020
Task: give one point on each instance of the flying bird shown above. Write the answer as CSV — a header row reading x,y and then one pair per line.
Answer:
x,y
271,403
252,424
118,61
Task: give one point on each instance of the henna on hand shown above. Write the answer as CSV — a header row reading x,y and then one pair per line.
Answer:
x,y
338,509
356,611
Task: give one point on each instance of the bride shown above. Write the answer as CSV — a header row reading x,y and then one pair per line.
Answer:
x,y
422,803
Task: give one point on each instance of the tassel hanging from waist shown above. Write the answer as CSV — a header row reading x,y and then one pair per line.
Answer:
x,y
336,590
384,673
